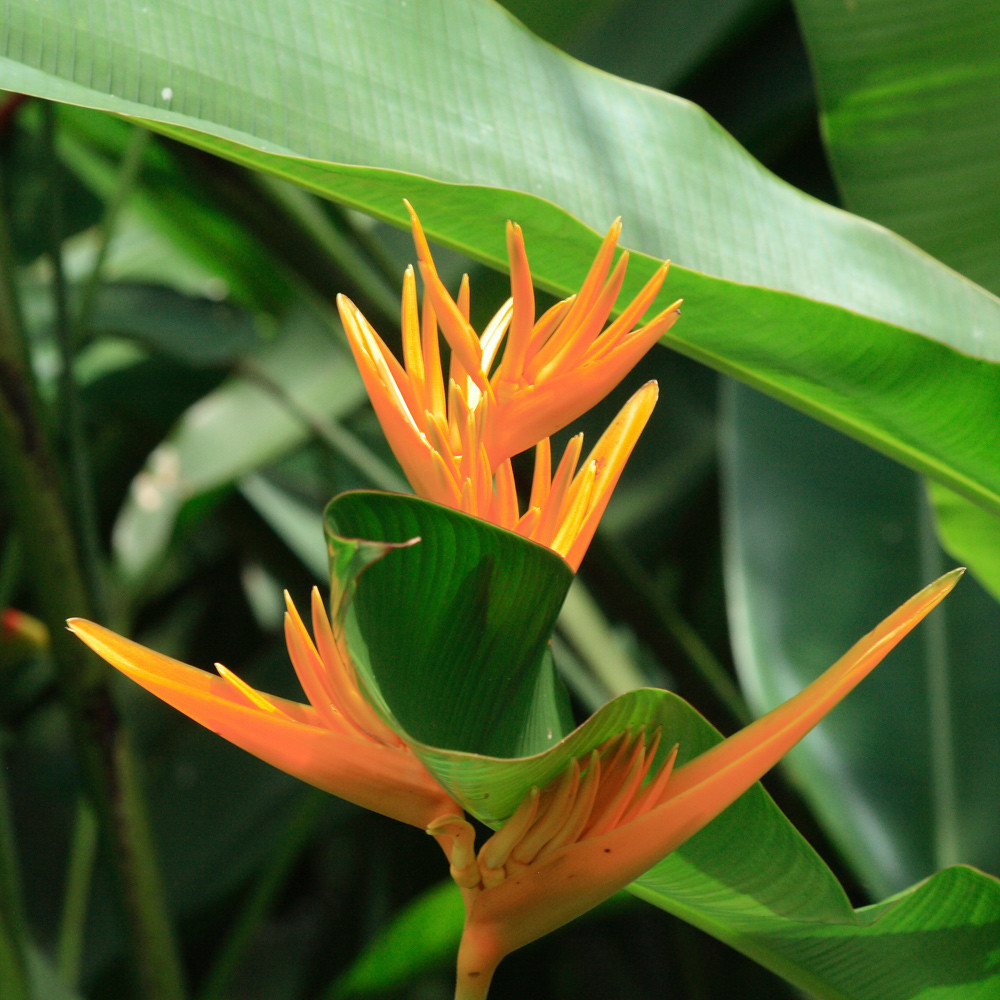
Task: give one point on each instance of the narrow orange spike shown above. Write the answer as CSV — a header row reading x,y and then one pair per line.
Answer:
x,y
609,456
622,327
455,327
541,481
575,508
254,697
653,792
553,507
413,355
433,372
340,674
584,301
310,670
586,328
522,295
505,499
493,335
547,324
622,779
464,298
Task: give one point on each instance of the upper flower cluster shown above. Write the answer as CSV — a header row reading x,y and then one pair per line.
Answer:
x,y
510,389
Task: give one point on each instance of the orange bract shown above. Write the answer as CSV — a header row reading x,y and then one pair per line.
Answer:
x,y
454,441
620,809
337,742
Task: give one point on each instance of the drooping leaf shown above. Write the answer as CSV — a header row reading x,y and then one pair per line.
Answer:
x,y
909,92
821,309
908,96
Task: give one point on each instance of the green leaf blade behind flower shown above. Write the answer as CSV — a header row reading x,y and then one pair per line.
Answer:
x,y
826,311
909,97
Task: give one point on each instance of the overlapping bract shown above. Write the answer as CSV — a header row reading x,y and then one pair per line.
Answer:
x,y
508,390
616,811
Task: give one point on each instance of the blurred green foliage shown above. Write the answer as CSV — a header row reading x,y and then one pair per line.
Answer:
x,y
179,315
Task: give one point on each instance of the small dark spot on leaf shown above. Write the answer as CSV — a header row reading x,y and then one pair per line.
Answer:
x,y
607,850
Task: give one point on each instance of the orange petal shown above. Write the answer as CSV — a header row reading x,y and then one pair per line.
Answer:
x,y
377,777
610,455
538,411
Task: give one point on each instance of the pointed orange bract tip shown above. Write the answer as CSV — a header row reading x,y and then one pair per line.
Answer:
x,y
622,808
319,743
510,389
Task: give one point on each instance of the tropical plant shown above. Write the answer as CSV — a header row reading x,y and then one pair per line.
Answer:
x,y
188,188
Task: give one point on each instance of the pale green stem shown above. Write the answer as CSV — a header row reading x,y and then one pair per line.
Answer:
x,y
347,445
941,754
128,175
72,929
83,508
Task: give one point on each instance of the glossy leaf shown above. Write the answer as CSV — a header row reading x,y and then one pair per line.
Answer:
x,y
836,332
451,626
907,108
909,95
816,525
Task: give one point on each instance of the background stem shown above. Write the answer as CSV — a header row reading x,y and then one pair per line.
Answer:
x,y
52,570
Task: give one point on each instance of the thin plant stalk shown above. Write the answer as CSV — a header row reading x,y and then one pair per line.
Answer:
x,y
15,983
53,571
73,925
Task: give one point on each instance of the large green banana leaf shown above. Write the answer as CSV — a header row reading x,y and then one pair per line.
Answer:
x,y
910,98
748,877
459,108
910,95
815,526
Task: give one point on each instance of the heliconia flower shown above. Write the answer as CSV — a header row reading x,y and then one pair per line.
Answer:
x,y
622,808
454,441
336,742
